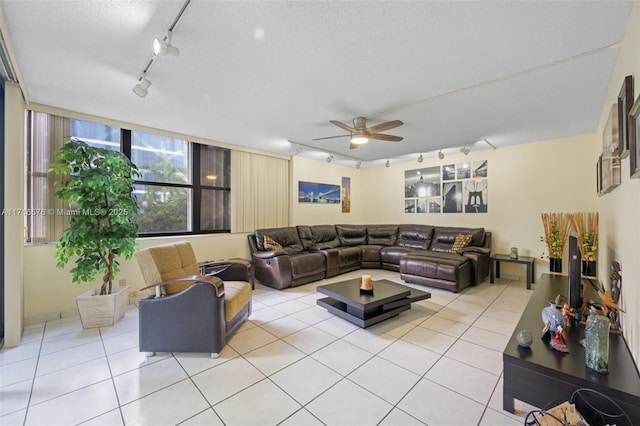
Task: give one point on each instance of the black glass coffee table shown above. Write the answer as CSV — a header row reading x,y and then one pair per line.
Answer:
x,y
387,300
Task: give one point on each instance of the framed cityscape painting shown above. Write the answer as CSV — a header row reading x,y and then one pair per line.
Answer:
x,y
318,193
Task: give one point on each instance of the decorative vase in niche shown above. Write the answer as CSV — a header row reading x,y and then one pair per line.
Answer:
x,y
596,350
514,253
589,268
555,264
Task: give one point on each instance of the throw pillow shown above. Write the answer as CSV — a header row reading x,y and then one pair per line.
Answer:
x,y
271,244
462,241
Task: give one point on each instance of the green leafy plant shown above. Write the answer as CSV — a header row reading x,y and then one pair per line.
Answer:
x,y
554,243
98,185
556,229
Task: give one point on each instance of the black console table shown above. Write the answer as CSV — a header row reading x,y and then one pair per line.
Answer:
x,y
541,376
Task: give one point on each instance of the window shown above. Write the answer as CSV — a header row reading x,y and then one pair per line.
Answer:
x,y
164,188
183,187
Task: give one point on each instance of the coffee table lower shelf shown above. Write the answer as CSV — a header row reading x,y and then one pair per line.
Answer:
x,y
346,312
387,300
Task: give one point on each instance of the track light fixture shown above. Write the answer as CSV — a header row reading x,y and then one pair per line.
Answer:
x,y
465,150
163,47
160,47
420,158
358,164
330,158
441,155
387,164
298,149
142,88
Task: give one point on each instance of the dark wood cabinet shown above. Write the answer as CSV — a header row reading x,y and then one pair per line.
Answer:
x,y
543,377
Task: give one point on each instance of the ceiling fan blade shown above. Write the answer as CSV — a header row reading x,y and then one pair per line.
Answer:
x,y
354,145
383,137
385,126
342,126
330,137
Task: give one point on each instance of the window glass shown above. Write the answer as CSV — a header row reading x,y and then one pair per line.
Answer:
x,y
163,209
95,134
160,158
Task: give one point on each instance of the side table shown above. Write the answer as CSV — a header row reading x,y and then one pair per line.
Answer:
x,y
494,266
208,266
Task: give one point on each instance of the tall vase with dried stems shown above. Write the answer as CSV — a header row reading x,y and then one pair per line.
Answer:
x,y
586,225
556,229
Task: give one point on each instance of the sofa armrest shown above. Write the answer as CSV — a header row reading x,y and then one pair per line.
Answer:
x,y
478,250
270,253
321,247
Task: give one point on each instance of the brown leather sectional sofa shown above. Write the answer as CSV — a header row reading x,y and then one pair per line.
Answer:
x,y
421,253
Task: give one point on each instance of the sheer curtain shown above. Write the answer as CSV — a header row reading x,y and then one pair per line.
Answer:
x,y
47,220
259,192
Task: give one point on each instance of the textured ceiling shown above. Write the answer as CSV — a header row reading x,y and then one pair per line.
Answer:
x,y
259,74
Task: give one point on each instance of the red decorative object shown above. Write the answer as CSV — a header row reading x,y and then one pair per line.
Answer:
x,y
557,342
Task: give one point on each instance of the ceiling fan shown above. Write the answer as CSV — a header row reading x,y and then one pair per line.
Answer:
x,y
360,134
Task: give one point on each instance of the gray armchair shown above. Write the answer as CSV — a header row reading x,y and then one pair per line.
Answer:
x,y
189,312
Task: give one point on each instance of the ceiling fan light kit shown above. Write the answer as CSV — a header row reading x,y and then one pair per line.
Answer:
x,y
359,139
361,134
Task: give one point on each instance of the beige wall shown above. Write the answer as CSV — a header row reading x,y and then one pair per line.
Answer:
x,y
620,209
48,291
524,181
13,225
303,169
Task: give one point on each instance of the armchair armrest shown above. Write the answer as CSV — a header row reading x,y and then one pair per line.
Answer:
x,y
214,281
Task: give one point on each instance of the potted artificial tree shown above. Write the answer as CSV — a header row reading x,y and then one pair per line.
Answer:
x,y
98,185
556,229
586,225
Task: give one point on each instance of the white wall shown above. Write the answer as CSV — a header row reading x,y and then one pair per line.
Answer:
x,y
620,209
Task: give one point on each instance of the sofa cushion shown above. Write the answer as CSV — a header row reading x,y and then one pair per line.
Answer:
x,y
271,244
352,235
167,262
287,237
325,236
383,235
444,237
415,236
236,296
461,241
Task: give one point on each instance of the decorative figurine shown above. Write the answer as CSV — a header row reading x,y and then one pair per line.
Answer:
x,y
568,313
557,342
616,288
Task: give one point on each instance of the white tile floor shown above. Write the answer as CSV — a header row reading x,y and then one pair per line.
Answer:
x,y
293,363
